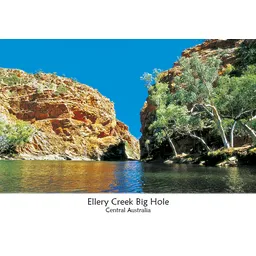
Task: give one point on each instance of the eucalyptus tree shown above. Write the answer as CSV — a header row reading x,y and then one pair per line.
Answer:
x,y
196,85
192,125
235,98
162,127
159,96
171,119
174,120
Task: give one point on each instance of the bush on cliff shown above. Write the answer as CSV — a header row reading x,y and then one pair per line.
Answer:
x,y
13,135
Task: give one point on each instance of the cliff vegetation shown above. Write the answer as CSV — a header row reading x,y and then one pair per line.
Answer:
x,y
207,102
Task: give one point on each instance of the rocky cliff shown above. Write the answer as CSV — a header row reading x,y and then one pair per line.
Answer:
x,y
225,48
71,120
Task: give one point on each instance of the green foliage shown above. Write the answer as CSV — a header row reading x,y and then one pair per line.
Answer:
x,y
11,79
12,135
172,117
61,89
196,87
229,69
235,97
215,157
168,117
151,79
39,81
196,83
202,99
253,124
169,120
40,88
246,54
3,143
52,86
223,153
159,94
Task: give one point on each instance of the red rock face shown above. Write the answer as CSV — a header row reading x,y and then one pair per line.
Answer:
x,y
71,119
28,110
84,116
206,49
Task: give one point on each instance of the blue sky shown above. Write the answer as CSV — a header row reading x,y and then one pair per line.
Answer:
x,y
112,66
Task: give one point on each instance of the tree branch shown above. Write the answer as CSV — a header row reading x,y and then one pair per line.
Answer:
x,y
244,112
207,110
203,106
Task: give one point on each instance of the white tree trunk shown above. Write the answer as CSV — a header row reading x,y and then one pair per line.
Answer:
x,y
251,132
218,121
172,145
201,140
232,134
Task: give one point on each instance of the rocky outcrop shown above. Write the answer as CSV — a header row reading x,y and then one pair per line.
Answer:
x,y
72,120
226,49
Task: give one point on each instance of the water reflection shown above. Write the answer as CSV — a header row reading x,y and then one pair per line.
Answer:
x,y
198,179
70,176
122,177
128,178
10,176
67,176
234,180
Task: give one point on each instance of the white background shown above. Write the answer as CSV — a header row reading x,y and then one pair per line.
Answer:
x,y
209,224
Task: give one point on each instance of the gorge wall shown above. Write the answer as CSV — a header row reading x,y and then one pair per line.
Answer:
x,y
71,120
206,49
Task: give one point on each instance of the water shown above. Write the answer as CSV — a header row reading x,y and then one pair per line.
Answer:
x,y
122,177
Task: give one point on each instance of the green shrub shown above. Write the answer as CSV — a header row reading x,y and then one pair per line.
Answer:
x,y
61,89
40,88
11,80
3,143
13,135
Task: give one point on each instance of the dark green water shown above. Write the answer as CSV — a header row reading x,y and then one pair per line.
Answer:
x,y
122,177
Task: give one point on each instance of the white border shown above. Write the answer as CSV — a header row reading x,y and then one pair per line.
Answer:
x,y
127,19
64,224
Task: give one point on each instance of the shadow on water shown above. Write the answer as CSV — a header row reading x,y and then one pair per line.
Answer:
x,y
122,177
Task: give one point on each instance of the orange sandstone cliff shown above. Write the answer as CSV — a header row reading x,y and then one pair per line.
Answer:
x,y
71,120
